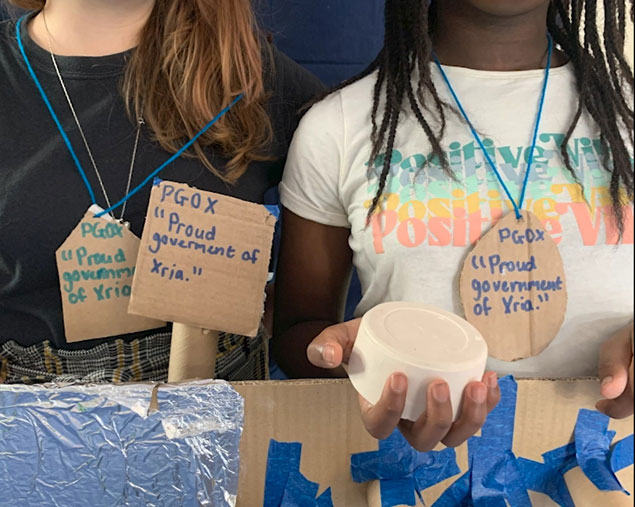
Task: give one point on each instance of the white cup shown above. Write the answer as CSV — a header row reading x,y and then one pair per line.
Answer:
x,y
424,343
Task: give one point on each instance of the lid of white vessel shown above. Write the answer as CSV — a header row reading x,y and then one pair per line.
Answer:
x,y
424,336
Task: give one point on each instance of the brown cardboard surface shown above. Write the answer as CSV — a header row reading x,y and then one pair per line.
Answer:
x,y
499,293
203,260
96,264
324,416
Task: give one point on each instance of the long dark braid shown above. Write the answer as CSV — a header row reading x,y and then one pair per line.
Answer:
x,y
407,47
604,80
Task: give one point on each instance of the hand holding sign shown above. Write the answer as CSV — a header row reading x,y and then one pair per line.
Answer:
x,y
513,288
203,263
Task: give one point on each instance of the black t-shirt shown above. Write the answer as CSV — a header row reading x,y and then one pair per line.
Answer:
x,y
42,196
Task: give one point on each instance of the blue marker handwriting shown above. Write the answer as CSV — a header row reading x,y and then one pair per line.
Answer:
x,y
96,266
173,272
496,265
481,287
527,236
511,296
185,198
101,229
186,236
86,258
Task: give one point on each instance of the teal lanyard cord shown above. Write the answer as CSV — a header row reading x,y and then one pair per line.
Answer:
x,y
154,173
517,206
67,141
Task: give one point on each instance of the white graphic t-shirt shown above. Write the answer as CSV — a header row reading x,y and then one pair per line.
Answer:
x,y
415,248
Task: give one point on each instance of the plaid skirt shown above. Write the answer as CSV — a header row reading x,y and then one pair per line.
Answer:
x,y
141,360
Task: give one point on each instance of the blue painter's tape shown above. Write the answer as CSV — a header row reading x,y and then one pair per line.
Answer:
x,y
563,458
384,464
496,477
285,486
498,430
547,479
488,476
397,492
592,444
396,461
458,494
156,181
472,445
435,467
622,454
402,471
283,459
299,491
515,490
325,499
274,209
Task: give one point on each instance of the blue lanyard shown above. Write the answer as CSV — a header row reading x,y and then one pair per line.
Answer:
x,y
67,141
517,206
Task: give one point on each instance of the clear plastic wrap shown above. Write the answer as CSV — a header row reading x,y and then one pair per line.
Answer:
x,y
102,445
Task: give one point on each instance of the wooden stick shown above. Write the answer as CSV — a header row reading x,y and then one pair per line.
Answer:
x,y
192,353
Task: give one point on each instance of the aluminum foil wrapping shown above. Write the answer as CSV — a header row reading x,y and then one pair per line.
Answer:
x,y
103,445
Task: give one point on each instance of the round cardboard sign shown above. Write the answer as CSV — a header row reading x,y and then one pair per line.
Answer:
x,y
513,288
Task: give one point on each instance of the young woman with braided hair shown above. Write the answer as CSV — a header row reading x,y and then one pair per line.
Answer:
x,y
385,173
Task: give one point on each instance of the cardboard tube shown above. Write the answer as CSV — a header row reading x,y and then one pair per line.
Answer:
x,y
192,353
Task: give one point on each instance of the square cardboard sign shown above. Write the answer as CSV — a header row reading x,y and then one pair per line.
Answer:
x,y
203,260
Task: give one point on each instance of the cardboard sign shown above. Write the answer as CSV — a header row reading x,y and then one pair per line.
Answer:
x,y
96,265
513,288
203,260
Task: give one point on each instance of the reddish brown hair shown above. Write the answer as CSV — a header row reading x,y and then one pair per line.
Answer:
x,y
193,58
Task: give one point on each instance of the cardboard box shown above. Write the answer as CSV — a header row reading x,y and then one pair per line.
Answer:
x,y
324,417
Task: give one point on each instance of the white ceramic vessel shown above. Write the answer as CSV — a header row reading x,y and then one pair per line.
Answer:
x,y
424,343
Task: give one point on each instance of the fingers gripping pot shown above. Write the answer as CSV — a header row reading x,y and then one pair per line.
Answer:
x,y
422,342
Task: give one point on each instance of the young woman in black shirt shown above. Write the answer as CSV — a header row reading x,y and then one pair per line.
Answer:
x,y
175,65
